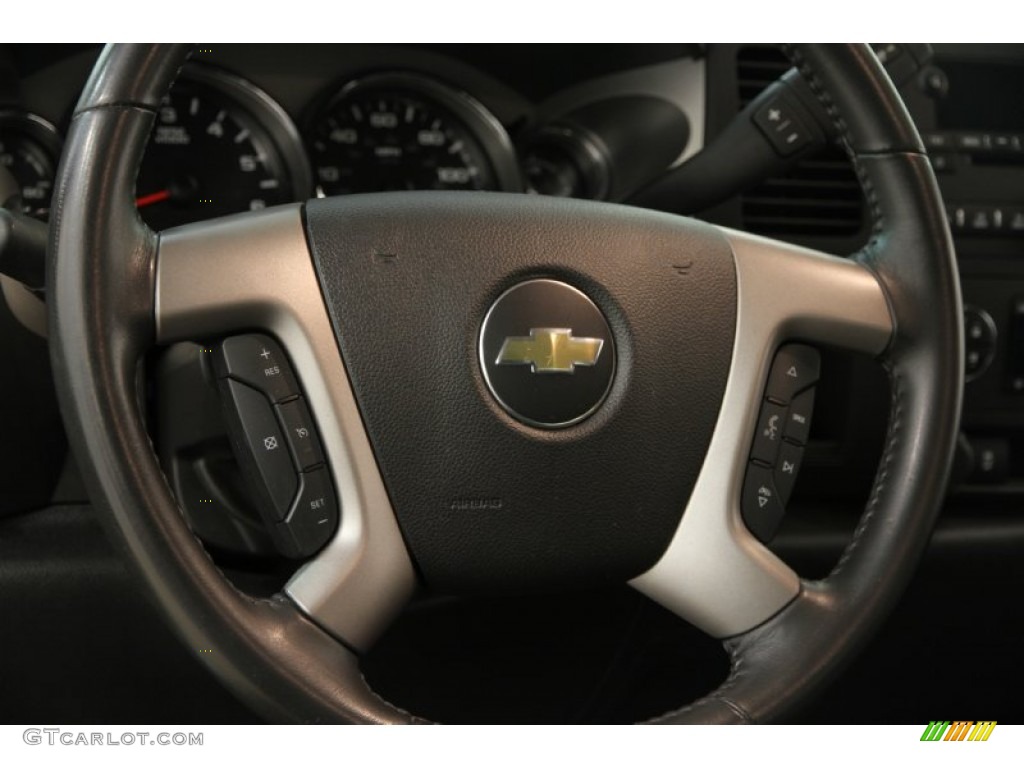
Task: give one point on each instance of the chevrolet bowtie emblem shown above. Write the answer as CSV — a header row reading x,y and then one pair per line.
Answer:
x,y
550,350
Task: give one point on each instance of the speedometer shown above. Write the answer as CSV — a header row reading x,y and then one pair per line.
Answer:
x,y
220,146
399,131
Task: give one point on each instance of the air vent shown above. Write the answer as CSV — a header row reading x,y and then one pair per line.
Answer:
x,y
820,195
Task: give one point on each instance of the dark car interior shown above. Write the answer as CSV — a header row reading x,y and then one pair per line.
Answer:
x,y
728,134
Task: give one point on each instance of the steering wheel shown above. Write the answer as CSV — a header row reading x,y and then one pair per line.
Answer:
x,y
446,475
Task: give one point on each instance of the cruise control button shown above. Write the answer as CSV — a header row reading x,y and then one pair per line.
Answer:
x,y
264,442
798,422
300,433
313,518
786,470
796,367
770,424
258,361
760,505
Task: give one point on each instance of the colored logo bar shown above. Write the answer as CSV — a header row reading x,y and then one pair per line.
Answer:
x,y
959,730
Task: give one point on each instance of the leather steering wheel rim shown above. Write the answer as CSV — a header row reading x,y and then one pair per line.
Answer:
x,y
102,309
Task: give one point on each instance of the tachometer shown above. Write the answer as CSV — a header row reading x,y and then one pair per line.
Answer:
x,y
220,145
399,131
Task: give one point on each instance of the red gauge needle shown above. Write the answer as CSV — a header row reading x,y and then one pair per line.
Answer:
x,y
156,197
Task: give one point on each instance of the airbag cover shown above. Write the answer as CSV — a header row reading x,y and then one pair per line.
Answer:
x,y
485,501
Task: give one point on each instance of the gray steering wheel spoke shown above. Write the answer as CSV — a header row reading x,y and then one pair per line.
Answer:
x,y
788,292
254,272
715,573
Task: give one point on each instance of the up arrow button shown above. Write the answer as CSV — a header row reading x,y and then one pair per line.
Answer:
x,y
796,367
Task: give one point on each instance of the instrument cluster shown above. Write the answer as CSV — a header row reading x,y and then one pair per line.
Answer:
x,y
222,145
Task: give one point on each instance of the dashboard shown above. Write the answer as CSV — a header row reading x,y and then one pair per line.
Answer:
x,y
250,126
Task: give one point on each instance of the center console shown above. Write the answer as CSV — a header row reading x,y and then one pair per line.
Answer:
x,y
969,109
